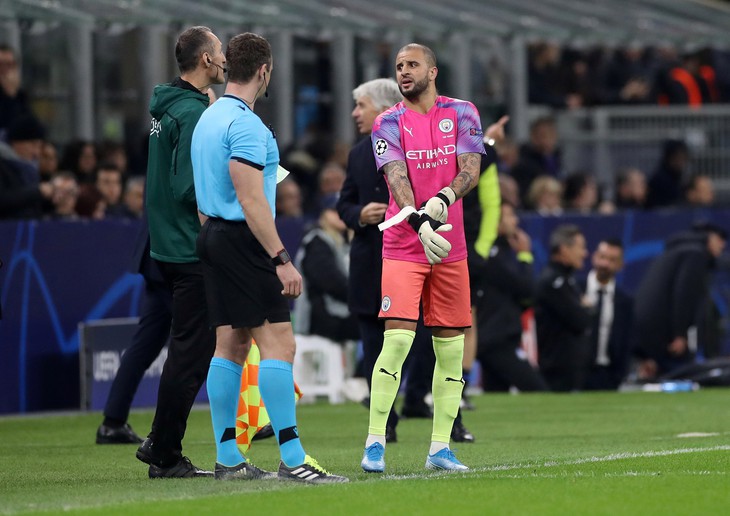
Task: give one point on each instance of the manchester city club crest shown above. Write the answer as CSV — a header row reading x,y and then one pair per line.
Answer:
x,y
446,125
385,306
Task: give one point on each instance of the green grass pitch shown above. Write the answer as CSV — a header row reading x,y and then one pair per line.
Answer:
x,y
602,453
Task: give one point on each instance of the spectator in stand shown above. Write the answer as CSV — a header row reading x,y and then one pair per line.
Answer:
x,y
13,100
690,83
324,261
631,189
48,161
288,199
508,154
90,203
290,221
108,180
665,186
540,156
580,193
80,158
578,79
134,198
626,78
65,193
544,81
331,179
562,319
671,297
509,190
22,195
115,153
700,191
545,196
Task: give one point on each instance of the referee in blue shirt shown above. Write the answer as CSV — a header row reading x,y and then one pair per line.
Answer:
x,y
249,277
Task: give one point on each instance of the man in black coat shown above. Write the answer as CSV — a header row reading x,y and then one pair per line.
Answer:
x,y
503,287
611,326
672,295
561,317
150,337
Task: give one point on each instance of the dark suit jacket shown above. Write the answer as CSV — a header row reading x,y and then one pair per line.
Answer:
x,y
620,341
562,326
363,184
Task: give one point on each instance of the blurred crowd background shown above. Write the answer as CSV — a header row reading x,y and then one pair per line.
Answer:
x,y
619,109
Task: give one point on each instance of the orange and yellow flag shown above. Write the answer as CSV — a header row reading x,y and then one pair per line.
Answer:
x,y
252,415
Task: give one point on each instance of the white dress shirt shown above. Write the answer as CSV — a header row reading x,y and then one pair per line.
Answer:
x,y
606,316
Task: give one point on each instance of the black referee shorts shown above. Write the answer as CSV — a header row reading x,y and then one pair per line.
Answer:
x,y
241,285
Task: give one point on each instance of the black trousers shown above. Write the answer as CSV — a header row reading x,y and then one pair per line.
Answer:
x,y
149,339
503,368
192,344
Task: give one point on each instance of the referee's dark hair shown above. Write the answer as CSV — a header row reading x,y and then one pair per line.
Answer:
x,y
190,45
245,55
563,236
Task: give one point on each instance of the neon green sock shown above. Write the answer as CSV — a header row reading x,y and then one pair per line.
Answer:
x,y
387,377
447,385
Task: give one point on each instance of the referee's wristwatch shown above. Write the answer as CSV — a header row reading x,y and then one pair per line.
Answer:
x,y
281,258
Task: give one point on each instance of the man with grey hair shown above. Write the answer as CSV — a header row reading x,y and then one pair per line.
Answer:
x,y
362,204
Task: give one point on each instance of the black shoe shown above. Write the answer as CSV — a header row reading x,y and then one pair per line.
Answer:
x,y
117,435
420,410
266,431
390,435
244,471
144,452
182,469
460,434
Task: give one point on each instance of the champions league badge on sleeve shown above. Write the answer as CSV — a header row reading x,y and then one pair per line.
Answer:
x,y
381,146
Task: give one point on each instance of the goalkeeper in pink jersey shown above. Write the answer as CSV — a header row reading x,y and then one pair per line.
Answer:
x,y
429,148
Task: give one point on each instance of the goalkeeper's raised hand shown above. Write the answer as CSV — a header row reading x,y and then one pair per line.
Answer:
x,y
435,246
437,207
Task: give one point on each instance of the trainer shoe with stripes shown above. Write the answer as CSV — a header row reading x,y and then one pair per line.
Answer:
x,y
310,472
444,459
243,471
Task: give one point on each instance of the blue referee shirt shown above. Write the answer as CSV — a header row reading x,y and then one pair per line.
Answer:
x,y
229,130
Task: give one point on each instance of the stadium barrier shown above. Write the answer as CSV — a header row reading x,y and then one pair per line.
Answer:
x,y
606,139
57,274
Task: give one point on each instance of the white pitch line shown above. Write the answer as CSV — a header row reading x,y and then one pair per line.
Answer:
x,y
550,464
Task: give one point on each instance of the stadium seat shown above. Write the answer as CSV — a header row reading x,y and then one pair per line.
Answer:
x,y
319,368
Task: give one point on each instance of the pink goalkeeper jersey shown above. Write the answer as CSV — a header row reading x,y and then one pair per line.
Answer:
x,y
429,144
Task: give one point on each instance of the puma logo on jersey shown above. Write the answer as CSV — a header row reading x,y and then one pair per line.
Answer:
x,y
409,131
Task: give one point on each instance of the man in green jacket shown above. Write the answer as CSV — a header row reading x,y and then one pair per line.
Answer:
x,y
174,225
